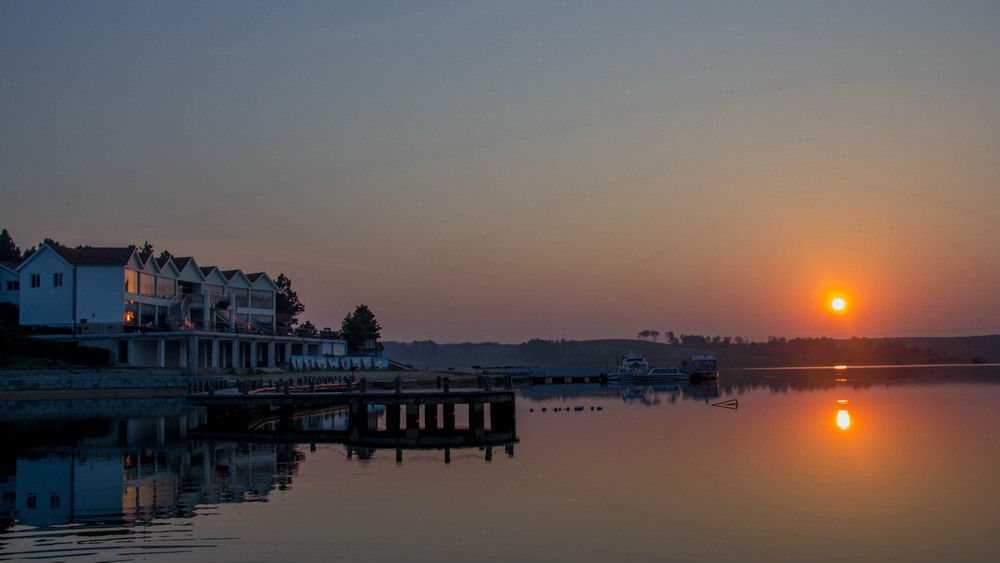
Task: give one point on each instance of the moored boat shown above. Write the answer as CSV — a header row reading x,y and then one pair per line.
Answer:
x,y
703,367
630,366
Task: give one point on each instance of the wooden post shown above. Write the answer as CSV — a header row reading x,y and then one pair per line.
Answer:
x,y
399,384
477,417
449,417
430,417
392,417
412,417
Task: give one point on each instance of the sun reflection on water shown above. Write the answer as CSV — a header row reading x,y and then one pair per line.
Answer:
x,y
843,419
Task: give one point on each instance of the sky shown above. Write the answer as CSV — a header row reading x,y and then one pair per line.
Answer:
x,y
501,171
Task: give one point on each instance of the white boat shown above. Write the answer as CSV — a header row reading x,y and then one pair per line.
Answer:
x,y
630,366
669,373
702,367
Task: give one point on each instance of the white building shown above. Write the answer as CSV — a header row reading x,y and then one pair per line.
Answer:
x,y
10,283
156,312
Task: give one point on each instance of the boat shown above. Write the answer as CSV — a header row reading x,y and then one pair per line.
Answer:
x,y
704,367
630,366
662,374
666,372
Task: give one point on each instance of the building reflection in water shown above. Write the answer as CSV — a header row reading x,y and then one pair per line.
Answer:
x,y
139,469
134,470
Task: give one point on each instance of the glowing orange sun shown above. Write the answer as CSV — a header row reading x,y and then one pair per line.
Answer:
x,y
838,304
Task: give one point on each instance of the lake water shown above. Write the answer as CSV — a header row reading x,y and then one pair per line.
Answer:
x,y
859,464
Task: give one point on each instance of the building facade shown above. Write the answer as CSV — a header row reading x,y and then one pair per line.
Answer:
x,y
157,312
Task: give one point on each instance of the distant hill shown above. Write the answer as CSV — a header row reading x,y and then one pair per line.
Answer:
x,y
776,352
978,349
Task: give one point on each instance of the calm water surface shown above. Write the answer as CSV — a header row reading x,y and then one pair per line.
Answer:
x,y
819,465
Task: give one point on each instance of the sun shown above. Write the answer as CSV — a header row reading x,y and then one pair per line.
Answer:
x,y
838,304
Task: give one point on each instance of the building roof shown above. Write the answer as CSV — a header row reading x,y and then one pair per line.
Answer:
x,y
229,273
94,255
182,262
9,265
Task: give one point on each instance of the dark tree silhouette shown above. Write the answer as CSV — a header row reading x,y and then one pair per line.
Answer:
x,y
286,300
359,327
9,252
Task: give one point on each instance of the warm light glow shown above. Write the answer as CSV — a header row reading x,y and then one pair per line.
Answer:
x,y
843,419
839,367
129,316
841,401
838,304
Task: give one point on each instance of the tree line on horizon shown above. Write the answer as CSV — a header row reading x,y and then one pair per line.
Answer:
x,y
732,351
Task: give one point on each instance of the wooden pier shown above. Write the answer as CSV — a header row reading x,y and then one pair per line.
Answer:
x,y
414,418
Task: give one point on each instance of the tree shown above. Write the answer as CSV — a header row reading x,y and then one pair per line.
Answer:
x,y
655,334
671,338
146,248
643,335
307,329
286,300
9,252
359,327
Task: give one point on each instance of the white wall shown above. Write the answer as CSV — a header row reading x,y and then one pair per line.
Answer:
x,y
100,294
8,296
46,305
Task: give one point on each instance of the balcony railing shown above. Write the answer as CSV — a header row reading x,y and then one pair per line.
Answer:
x,y
163,327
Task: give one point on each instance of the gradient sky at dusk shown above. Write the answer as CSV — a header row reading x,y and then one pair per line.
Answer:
x,y
510,170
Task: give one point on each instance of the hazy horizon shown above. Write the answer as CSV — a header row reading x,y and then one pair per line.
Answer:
x,y
499,172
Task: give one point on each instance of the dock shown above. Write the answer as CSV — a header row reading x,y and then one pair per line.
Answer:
x,y
414,418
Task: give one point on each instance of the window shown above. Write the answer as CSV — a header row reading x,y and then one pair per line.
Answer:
x,y
260,299
57,279
131,281
147,314
241,297
131,313
13,286
164,288
36,280
147,285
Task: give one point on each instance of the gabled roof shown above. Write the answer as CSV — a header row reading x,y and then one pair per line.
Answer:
x,y
262,280
187,268
234,277
167,263
9,265
207,271
93,255
102,256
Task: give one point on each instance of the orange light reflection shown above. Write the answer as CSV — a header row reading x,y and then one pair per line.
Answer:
x,y
843,419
